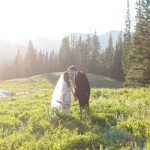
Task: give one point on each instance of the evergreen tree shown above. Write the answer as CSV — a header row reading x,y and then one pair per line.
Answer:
x,y
109,58
73,42
18,66
30,60
53,62
95,55
46,62
1,71
127,44
64,54
117,68
139,71
88,48
7,71
80,54
40,62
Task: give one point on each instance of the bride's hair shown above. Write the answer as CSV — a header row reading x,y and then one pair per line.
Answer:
x,y
66,78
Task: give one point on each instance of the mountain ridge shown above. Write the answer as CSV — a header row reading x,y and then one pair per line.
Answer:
x,y
8,51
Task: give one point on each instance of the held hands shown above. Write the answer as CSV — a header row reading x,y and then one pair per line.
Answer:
x,y
74,95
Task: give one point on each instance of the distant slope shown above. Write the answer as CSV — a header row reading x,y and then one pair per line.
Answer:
x,y
96,81
45,81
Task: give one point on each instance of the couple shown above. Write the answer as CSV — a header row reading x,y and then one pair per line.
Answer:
x,y
61,98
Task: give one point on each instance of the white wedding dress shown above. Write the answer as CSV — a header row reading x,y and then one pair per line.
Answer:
x,y
62,91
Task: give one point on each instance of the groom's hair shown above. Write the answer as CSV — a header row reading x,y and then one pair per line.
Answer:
x,y
72,68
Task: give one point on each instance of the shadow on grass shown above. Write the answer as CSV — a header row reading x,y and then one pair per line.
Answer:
x,y
52,77
68,122
98,81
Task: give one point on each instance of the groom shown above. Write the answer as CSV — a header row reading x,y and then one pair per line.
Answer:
x,y
82,90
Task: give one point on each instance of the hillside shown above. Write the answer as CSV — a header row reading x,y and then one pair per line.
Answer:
x,y
42,81
118,118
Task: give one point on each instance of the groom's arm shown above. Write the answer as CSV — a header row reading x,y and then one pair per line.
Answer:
x,y
72,88
86,83
76,87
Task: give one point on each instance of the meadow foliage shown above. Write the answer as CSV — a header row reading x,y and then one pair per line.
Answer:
x,y
117,119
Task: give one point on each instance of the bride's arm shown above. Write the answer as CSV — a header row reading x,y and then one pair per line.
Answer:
x,y
72,88
64,91
63,97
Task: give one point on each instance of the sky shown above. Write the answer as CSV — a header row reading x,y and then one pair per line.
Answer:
x,y
54,19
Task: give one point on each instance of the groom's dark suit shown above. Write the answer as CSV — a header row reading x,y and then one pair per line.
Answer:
x,y
82,90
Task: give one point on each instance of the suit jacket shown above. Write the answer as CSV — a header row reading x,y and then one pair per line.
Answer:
x,y
82,84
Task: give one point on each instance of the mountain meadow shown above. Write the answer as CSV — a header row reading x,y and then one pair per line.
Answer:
x,y
118,117
117,65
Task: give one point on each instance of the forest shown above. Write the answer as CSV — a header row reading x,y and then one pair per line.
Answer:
x,y
127,61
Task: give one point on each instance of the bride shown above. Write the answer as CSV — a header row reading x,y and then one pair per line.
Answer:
x,y
61,98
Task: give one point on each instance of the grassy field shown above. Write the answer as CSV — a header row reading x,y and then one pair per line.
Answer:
x,y
119,118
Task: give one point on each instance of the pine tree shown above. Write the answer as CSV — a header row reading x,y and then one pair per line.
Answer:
x,y
46,62
18,66
117,67
7,71
88,48
109,58
127,44
53,62
80,54
139,71
73,43
64,54
1,71
95,55
40,62
30,60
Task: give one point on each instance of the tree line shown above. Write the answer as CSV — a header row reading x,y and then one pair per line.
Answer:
x,y
128,60
86,54
32,63
136,47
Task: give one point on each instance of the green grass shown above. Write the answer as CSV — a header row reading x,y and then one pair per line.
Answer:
x,y
119,118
